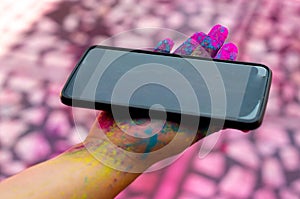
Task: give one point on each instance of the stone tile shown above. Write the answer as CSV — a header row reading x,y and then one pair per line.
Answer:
x,y
39,42
256,48
10,130
296,136
212,165
264,193
244,152
261,27
149,22
272,173
33,116
208,187
289,92
295,77
176,20
71,22
12,167
277,42
295,185
22,83
10,103
47,26
293,109
163,11
190,7
272,134
57,124
266,149
292,60
290,158
5,156
9,97
2,79
195,17
58,61
32,148
286,193
238,182
37,97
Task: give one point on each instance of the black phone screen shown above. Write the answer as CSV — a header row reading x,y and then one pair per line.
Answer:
x,y
187,85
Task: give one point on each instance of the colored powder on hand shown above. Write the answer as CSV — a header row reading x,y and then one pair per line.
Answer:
x,y
151,143
164,46
228,52
105,120
187,47
218,33
198,36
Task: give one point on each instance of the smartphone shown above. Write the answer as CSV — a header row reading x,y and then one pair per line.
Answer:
x,y
117,79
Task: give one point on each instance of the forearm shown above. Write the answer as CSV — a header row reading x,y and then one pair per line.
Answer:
x,y
74,174
80,173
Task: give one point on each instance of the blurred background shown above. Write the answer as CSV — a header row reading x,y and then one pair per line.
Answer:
x,y
41,41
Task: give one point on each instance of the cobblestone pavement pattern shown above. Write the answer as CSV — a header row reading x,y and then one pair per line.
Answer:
x,y
42,40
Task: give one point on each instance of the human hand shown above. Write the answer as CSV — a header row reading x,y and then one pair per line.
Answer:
x,y
112,141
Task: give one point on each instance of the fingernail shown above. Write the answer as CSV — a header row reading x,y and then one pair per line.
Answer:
x,y
187,47
228,51
164,46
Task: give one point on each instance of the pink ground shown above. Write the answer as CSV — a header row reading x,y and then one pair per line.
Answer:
x,y
42,40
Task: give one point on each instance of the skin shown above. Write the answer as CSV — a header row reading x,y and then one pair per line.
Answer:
x,y
80,172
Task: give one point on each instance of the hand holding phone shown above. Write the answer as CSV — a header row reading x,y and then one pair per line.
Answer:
x,y
212,43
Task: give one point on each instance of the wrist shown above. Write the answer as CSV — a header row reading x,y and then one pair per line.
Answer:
x,y
86,177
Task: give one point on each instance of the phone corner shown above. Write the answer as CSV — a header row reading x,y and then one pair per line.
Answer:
x,y
64,98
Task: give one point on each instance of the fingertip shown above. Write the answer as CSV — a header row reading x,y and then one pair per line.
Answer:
x,y
164,46
219,32
228,51
231,47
